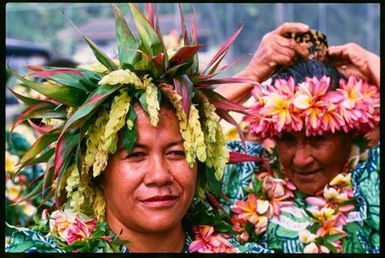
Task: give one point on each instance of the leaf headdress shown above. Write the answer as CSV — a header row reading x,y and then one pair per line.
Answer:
x,y
85,107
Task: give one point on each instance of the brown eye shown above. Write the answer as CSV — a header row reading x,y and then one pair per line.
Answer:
x,y
179,154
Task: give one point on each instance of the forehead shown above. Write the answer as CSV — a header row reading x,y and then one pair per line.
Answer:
x,y
166,129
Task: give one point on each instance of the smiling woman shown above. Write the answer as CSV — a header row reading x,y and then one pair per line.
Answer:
x,y
134,149
153,183
317,190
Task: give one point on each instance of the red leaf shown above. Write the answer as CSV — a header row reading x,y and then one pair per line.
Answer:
x,y
194,37
40,129
183,25
223,114
216,203
237,157
183,87
58,161
150,14
228,106
183,54
222,51
23,116
49,73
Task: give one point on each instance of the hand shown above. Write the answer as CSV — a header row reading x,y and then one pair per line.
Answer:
x,y
275,50
351,59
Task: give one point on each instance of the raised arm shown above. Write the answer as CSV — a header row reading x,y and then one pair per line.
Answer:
x,y
273,51
353,59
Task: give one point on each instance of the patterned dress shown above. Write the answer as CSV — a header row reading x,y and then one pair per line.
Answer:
x,y
31,241
282,232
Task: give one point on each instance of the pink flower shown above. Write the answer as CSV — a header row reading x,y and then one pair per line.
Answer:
x,y
80,230
71,227
207,241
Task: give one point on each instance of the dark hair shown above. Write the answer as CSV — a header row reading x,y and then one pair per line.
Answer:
x,y
309,68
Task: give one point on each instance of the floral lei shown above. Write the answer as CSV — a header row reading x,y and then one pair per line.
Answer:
x,y
267,193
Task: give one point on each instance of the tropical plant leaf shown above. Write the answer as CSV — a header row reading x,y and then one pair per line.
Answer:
x,y
69,140
334,237
225,115
46,73
150,14
194,41
129,136
183,26
99,54
184,54
223,50
39,145
32,111
236,157
126,41
40,159
27,100
213,184
148,36
90,106
184,88
209,82
71,80
69,96
221,102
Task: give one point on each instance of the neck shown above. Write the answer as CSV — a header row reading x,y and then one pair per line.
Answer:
x,y
170,240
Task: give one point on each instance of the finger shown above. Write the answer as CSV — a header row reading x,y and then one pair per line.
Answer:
x,y
292,27
302,50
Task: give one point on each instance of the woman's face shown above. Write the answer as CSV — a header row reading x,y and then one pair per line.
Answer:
x,y
312,162
151,188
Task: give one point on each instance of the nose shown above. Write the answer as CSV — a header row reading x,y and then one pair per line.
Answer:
x,y
302,156
158,173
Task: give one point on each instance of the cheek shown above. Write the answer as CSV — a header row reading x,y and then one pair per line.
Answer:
x,y
120,180
187,178
285,154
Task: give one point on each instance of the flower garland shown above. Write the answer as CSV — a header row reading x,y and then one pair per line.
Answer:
x,y
313,107
327,212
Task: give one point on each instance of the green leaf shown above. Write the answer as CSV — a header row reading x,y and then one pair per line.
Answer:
x,y
40,159
129,136
90,106
66,144
331,247
71,80
40,144
149,38
127,44
213,184
101,56
69,96
334,237
27,100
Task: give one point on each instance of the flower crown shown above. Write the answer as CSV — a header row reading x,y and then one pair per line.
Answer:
x,y
85,107
314,107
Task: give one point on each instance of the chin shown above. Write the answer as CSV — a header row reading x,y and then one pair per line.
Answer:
x,y
310,190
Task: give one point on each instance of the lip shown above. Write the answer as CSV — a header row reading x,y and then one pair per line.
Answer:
x,y
160,201
307,174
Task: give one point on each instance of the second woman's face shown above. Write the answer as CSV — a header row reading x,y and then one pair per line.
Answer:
x,y
151,188
312,162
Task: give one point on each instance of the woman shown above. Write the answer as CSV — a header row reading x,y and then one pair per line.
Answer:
x,y
317,191
133,150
